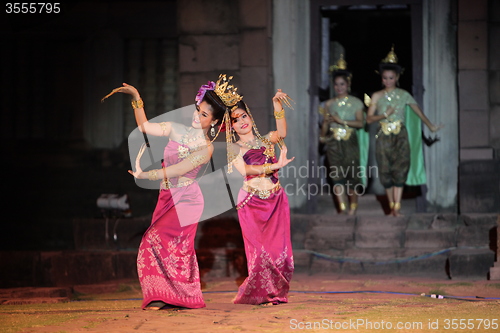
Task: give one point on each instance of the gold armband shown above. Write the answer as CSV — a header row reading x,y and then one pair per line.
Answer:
x,y
153,174
196,160
279,114
137,104
163,128
267,168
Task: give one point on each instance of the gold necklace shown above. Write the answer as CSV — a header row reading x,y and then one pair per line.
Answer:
x,y
343,101
269,151
390,95
184,151
256,146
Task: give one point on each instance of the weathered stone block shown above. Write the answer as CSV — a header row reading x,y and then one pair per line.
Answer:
x,y
471,263
321,238
477,219
432,239
472,10
421,221
481,235
302,260
377,222
332,220
372,261
495,271
495,120
473,96
444,221
474,128
209,17
479,186
467,154
380,232
254,13
254,48
379,238
255,86
323,265
201,53
420,262
494,92
473,45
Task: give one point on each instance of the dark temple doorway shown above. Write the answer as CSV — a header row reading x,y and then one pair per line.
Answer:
x,y
364,34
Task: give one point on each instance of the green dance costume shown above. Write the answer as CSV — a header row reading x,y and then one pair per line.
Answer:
x,y
399,142
347,151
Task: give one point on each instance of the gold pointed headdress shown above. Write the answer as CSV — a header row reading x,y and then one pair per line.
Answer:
x,y
340,68
226,92
390,62
340,65
391,57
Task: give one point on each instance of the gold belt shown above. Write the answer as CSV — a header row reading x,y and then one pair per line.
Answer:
x,y
263,194
341,133
167,185
391,127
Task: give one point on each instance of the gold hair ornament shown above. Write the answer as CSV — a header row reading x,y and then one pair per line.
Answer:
x,y
391,57
340,65
226,92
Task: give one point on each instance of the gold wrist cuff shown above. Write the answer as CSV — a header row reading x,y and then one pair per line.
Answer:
x,y
279,114
267,168
137,104
153,174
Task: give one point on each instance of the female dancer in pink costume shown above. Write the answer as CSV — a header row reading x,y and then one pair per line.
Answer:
x,y
166,263
263,209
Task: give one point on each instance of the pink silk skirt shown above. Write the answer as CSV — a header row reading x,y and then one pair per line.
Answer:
x,y
265,224
166,262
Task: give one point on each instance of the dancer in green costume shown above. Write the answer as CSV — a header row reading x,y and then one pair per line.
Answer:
x,y
399,145
343,115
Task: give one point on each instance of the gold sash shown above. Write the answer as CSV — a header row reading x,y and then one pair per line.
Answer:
x,y
391,127
341,133
263,194
166,184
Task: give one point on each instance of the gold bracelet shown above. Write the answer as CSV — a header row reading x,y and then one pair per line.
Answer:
x,y
137,104
196,160
279,114
267,168
153,174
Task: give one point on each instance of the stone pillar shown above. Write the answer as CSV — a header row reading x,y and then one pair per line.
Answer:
x,y
495,270
440,104
291,73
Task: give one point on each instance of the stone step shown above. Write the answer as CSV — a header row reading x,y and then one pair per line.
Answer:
x,y
471,263
441,238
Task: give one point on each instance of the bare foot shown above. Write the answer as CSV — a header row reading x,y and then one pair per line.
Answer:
x,y
266,304
156,305
396,213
